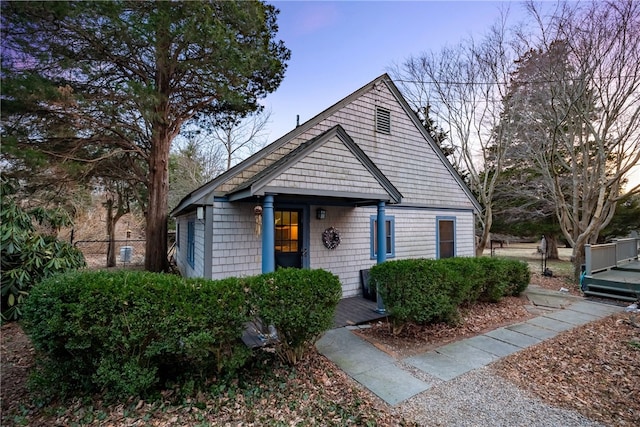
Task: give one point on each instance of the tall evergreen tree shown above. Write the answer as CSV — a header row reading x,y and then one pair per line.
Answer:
x,y
125,77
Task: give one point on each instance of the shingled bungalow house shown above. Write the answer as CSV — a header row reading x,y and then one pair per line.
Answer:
x,y
320,196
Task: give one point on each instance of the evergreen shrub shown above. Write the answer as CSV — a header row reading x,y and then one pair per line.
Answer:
x,y
502,277
29,255
299,303
466,275
125,333
427,291
519,277
493,279
416,290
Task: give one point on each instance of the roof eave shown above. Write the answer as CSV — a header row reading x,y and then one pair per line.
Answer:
x,y
220,179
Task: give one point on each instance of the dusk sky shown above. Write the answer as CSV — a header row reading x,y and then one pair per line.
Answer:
x,y
338,47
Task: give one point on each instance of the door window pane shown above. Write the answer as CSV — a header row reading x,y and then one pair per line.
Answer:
x,y
287,231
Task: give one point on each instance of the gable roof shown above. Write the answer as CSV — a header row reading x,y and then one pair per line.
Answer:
x,y
258,183
205,193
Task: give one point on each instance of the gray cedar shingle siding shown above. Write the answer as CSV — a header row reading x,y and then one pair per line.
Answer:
x,y
329,164
403,166
403,156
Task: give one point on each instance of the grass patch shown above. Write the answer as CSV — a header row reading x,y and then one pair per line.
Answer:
x,y
527,252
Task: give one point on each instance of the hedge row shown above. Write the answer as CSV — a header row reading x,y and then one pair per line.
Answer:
x,y
128,333
426,291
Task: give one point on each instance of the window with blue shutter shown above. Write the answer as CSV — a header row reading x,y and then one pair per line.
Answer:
x,y
390,229
191,243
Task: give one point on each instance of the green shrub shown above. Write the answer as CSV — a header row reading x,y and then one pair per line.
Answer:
x,y
125,333
416,290
426,291
493,278
27,255
465,274
519,277
300,304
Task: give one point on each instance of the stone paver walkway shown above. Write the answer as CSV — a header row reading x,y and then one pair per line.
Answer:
x,y
386,377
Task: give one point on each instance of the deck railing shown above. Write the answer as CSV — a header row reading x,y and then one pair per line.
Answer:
x,y
609,255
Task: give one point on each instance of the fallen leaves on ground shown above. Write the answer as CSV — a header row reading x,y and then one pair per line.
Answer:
x,y
555,283
475,319
314,392
594,369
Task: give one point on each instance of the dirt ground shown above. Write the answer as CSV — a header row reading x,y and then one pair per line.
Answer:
x,y
593,369
475,320
315,392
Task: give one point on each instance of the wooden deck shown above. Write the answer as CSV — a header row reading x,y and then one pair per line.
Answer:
x,y
354,311
350,311
621,282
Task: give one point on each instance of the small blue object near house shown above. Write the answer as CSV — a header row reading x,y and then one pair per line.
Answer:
x,y
358,184
126,253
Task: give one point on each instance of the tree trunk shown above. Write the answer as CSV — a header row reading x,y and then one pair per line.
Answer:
x,y
552,247
486,231
157,210
158,182
112,221
111,235
482,242
578,259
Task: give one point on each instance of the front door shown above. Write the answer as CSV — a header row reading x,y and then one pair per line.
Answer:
x,y
288,238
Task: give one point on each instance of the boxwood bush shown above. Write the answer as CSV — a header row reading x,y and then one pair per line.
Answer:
x,y
125,333
300,304
426,291
492,279
519,277
128,333
501,277
416,290
465,274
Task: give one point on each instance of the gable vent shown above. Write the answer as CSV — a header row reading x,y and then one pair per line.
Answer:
x,y
383,120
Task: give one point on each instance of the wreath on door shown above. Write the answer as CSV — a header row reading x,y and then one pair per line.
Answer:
x,y
331,238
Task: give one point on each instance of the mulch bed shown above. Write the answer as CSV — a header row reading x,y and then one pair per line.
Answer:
x,y
476,319
314,392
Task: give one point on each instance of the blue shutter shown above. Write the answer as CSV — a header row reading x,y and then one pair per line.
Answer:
x,y
191,244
